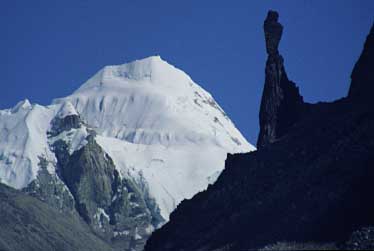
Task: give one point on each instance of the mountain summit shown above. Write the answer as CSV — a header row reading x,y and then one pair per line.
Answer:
x,y
151,102
122,151
153,120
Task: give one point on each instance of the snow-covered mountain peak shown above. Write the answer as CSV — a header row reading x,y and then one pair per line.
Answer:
x,y
160,128
151,70
149,101
24,104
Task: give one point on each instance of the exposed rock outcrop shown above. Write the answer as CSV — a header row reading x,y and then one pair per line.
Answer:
x,y
87,184
281,104
273,33
113,206
310,187
67,118
65,124
91,177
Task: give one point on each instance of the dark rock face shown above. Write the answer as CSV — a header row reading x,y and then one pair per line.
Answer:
x,y
114,207
90,175
30,224
281,104
65,124
362,86
273,32
118,209
312,186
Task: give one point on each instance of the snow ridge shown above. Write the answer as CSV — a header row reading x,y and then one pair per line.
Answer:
x,y
150,102
158,126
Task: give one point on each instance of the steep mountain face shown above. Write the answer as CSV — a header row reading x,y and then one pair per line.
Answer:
x,y
122,151
29,224
307,187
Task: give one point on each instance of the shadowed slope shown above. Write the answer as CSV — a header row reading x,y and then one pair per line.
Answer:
x,y
313,184
30,224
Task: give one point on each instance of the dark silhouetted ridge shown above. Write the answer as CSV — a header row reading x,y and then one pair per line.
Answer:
x,y
362,85
308,186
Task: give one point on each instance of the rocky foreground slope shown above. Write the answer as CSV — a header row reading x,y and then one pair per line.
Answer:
x,y
30,224
308,186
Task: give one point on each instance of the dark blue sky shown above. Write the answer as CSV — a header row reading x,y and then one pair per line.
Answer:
x,y
49,48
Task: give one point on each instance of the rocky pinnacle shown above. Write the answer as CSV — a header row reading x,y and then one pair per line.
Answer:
x,y
281,104
273,32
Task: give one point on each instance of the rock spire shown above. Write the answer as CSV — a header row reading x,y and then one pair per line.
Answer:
x,y
281,104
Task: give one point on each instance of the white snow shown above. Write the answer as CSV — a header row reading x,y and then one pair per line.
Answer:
x,y
24,104
125,232
100,212
66,109
137,236
149,229
172,173
75,138
159,127
22,139
151,102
